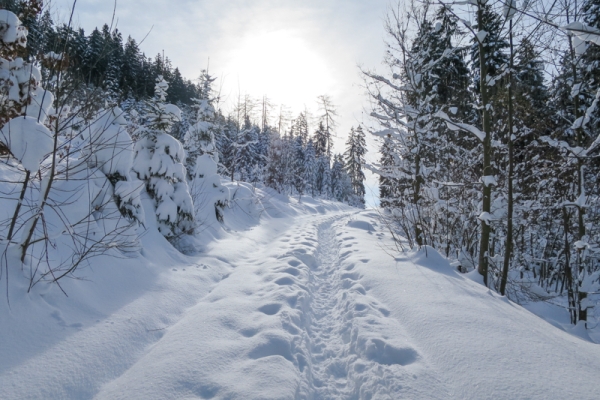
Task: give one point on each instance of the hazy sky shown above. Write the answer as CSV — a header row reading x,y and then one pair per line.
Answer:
x,y
291,51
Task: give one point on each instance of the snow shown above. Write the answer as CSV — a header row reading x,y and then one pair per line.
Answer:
x,y
509,9
455,126
29,141
209,195
481,35
489,180
582,33
109,145
11,30
41,104
303,300
486,217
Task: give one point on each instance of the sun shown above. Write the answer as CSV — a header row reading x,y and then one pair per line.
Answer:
x,y
282,65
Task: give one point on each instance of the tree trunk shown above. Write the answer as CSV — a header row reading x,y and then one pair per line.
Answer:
x,y
484,241
509,217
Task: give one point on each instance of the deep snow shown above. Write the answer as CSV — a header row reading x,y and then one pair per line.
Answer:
x,y
307,300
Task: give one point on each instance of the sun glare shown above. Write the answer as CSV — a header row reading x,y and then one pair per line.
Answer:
x,y
281,65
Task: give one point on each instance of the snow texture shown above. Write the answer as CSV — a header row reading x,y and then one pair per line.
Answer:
x,y
11,30
28,141
303,305
455,126
582,33
509,9
110,146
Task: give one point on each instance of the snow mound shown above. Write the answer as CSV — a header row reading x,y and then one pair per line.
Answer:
x,y
429,257
28,140
359,224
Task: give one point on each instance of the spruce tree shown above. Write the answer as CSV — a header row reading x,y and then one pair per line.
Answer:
x,y
354,158
389,191
159,162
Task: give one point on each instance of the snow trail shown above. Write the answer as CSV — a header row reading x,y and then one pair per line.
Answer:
x,y
329,374
356,350
309,306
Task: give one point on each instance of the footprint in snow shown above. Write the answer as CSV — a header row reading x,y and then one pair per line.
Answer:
x,y
270,309
291,271
285,281
353,276
272,346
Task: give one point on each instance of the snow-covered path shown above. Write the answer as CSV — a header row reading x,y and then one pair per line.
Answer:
x,y
316,305
326,342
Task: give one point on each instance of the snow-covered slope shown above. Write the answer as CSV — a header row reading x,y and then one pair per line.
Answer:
x,y
315,302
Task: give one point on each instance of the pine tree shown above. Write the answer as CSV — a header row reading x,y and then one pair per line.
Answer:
x,y
354,158
310,168
132,69
200,138
159,162
299,166
389,191
341,186
321,139
300,128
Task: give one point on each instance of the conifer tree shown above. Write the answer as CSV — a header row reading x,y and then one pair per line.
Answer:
x,y
299,166
200,137
341,187
354,158
389,191
310,167
159,162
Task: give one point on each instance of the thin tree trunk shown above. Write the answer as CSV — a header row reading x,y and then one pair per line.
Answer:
x,y
509,221
568,273
45,194
484,241
582,311
13,222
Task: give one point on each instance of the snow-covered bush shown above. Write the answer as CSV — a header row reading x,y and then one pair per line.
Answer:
x,y
210,197
27,140
69,203
200,138
159,162
109,149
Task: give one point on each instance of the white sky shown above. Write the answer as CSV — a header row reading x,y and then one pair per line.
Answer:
x,y
290,50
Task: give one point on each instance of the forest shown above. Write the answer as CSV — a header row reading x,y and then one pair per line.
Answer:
x,y
489,120
89,123
162,240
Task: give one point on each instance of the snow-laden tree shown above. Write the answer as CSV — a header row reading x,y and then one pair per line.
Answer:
x,y
323,176
200,137
354,159
327,124
389,187
159,162
109,149
24,110
310,167
209,195
300,128
341,186
248,156
299,166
